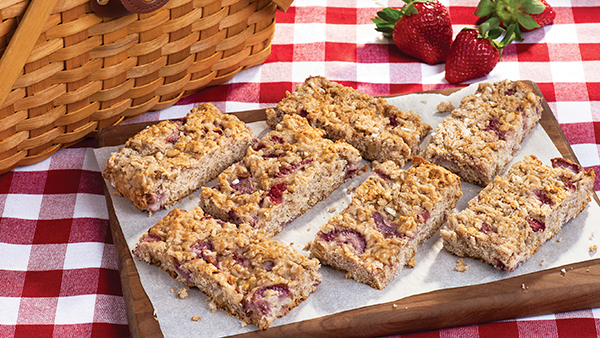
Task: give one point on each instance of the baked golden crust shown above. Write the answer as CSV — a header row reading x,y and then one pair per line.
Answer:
x,y
250,276
480,137
287,172
391,213
167,161
513,216
379,130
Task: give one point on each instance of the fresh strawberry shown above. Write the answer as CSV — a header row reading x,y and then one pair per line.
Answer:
x,y
475,53
516,15
544,18
421,29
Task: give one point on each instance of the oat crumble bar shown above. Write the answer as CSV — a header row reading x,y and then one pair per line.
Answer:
x,y
379,130
513,216
390,215
479,138
166,162
250,276
287,172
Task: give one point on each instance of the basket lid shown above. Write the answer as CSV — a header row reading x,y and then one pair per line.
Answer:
x,y
283,4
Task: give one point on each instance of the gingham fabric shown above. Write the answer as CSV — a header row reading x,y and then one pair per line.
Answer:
x,y
58,270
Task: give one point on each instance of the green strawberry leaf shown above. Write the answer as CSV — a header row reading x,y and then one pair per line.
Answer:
x,y
527,21
495,32
532,6
510,35
410,9
484,8
386,20
493,22
390,15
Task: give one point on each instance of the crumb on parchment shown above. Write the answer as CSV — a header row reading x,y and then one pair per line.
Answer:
x,y
461,266
195,318
593,248
445,107
183,293
212,306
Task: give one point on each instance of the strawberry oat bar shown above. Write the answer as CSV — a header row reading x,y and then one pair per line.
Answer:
x,y
167,161
390,215
379,130
248,275
479,138
287,172
513,216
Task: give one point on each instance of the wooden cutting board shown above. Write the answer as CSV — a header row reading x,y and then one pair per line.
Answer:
x,y
543,292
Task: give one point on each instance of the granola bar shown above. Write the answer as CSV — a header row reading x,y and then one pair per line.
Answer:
x,y
390,215
511,218
250,276
287,172
379,130
167,161
480,137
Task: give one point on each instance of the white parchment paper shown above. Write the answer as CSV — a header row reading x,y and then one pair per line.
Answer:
x,y
435,267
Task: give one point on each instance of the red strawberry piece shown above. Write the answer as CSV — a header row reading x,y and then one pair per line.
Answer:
x,y
275,194
560,162
536,225
421,28
243,184
516,15
385,226
349,237
472,55
544,18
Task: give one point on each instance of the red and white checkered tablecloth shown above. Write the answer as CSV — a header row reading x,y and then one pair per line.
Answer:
x,y
58,269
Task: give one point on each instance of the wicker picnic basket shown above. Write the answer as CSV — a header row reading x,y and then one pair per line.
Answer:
x,y
67,71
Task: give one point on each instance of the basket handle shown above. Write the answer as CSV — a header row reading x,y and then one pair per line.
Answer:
x,y
118,8
22,42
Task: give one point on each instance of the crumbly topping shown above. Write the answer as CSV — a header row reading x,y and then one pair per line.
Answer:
x,y
379,130
510,215
162,152
228,263
403,196
284,161
390,213
481,135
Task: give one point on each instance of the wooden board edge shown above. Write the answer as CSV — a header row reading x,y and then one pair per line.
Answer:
x,y
140,312
515,297
428,311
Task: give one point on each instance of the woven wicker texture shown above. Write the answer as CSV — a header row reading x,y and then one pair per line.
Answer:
x,y
86,72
